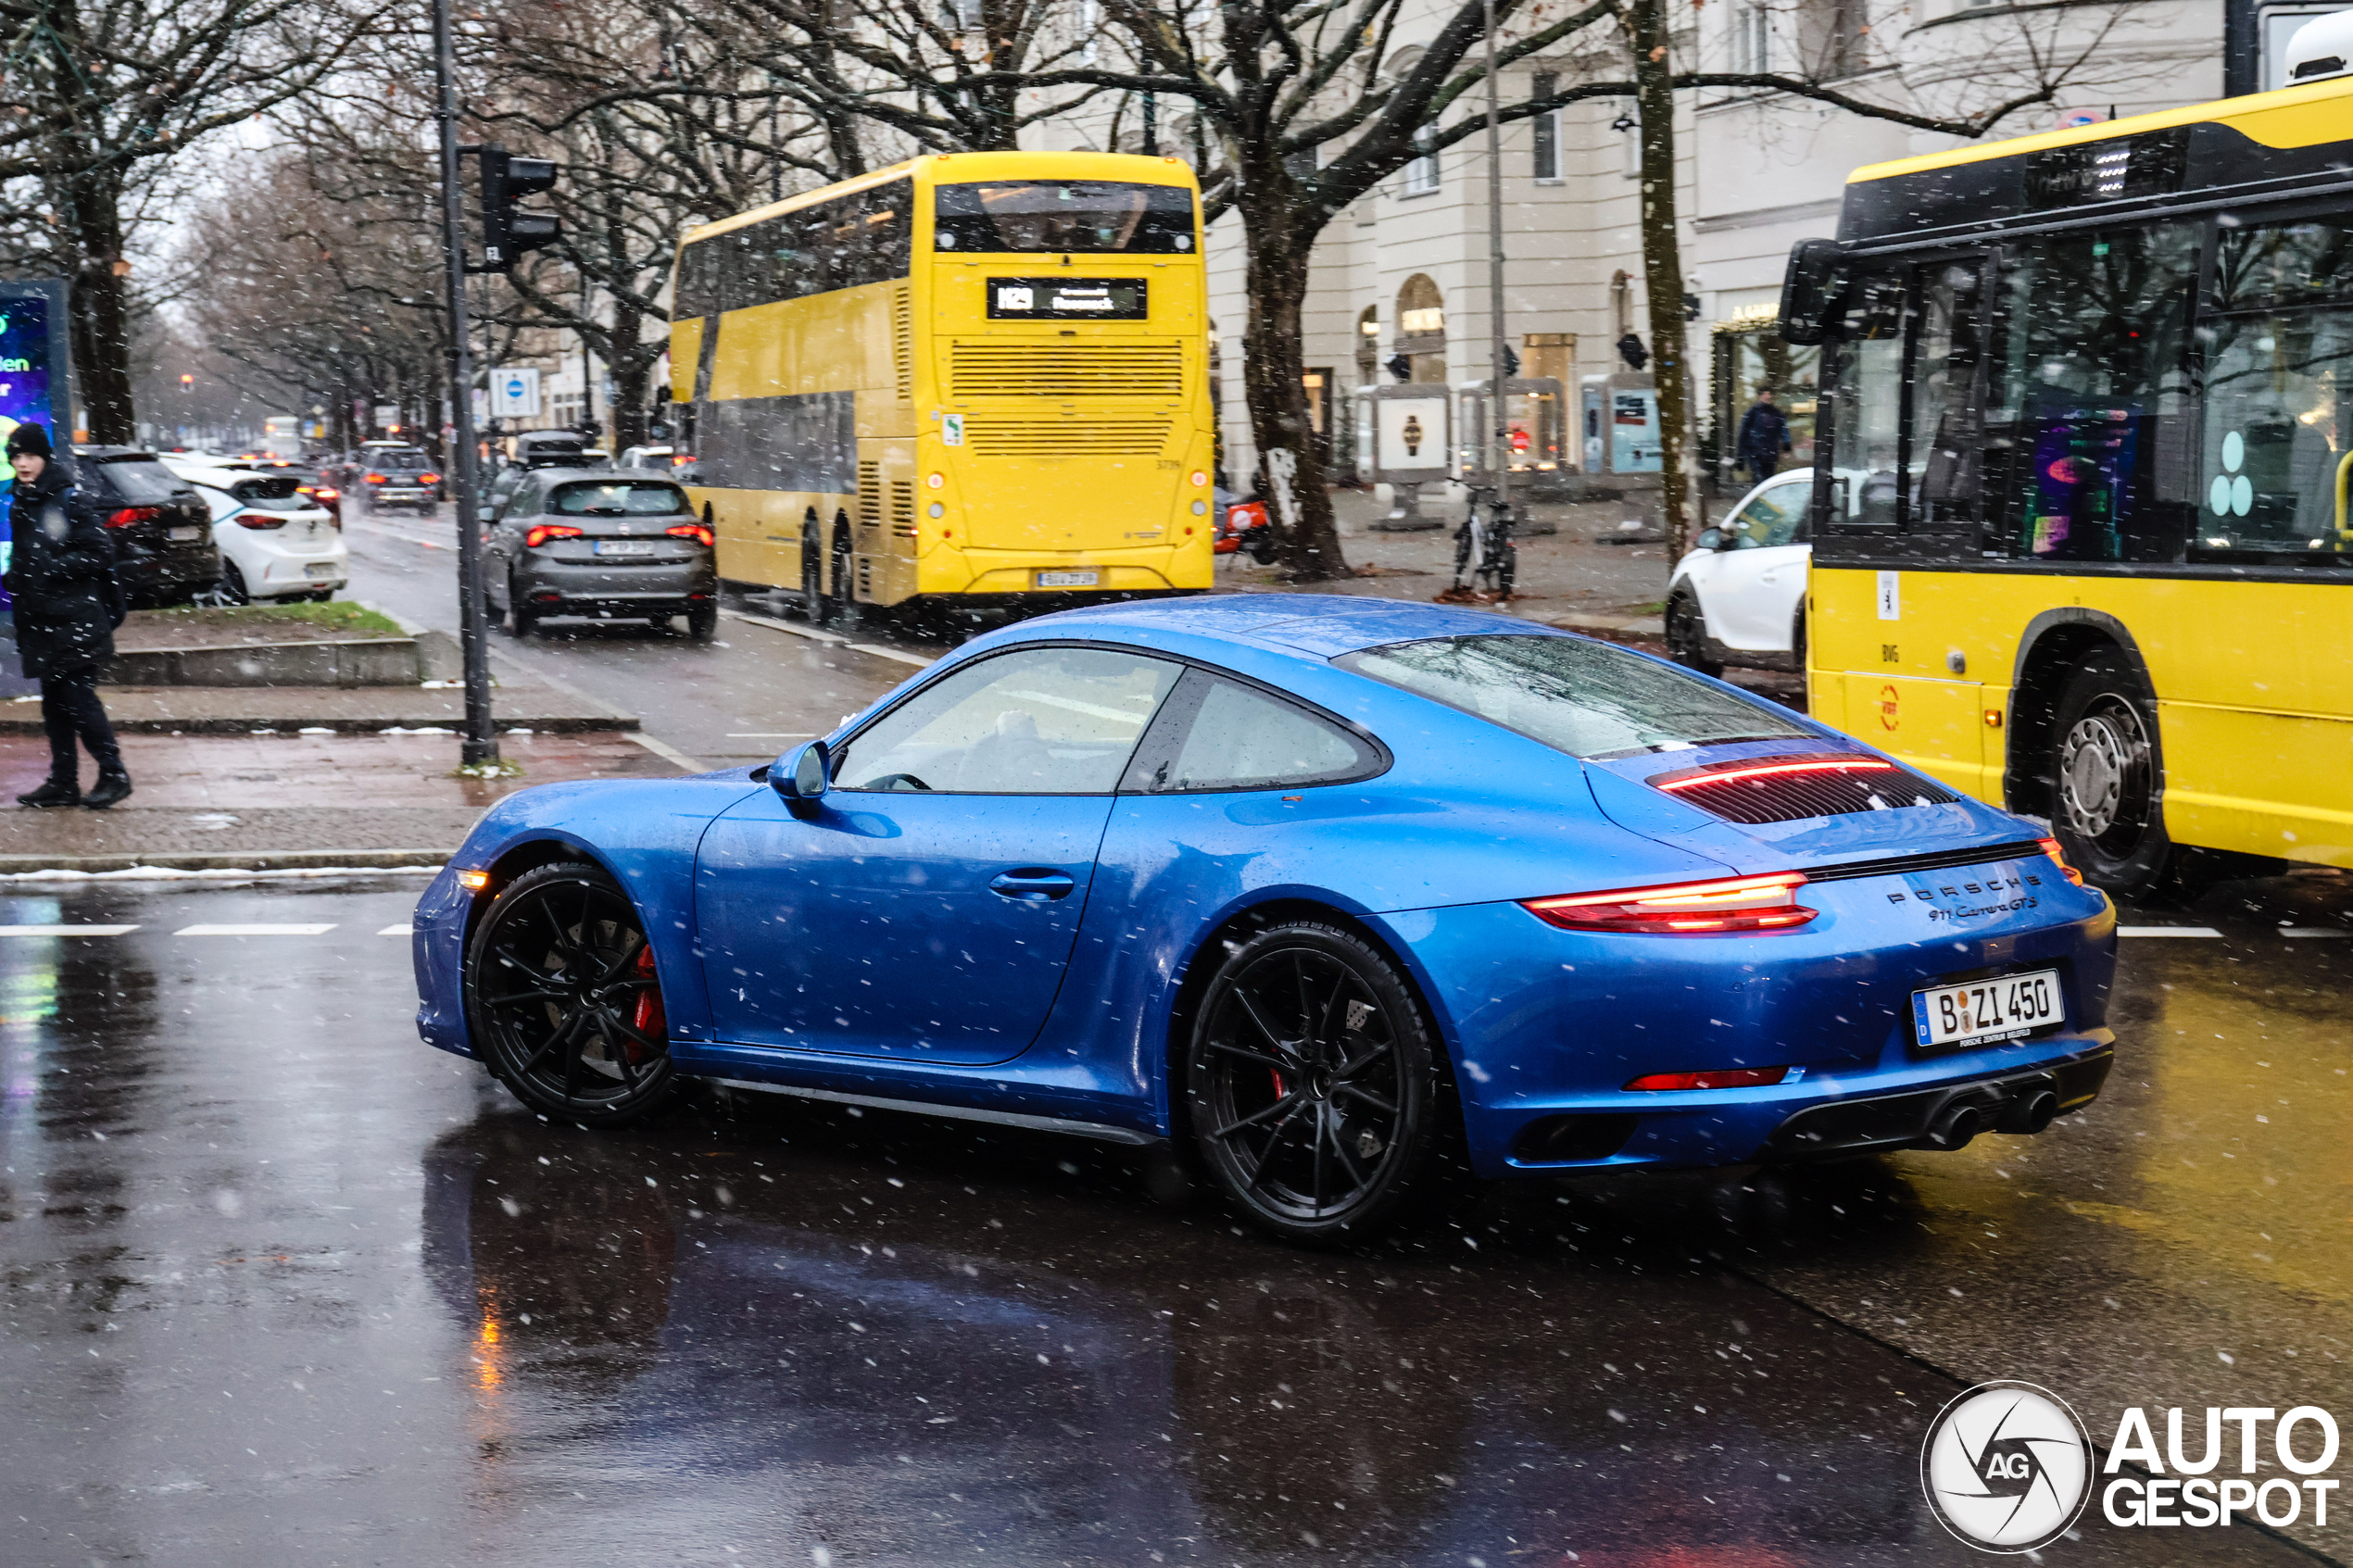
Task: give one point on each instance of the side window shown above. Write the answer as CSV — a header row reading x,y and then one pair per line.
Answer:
x,y
1235,736
1774,517
1944,462
524,501
1866,422
2088,451
1053,721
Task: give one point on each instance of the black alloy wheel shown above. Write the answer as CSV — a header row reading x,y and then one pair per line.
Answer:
x,y
1315,1098
1687,635
813,602
563,999
702,622
233,589
519,617
2107,781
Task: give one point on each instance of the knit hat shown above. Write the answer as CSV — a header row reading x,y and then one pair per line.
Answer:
x,y
28,440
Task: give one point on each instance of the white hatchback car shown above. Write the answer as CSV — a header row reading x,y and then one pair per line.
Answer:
x,y
275,543
1740,596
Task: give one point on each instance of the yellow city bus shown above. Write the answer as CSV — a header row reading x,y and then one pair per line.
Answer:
x,y
2081,534
972,377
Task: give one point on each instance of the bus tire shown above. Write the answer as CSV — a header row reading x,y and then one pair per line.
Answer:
x,y
2107,780
813,575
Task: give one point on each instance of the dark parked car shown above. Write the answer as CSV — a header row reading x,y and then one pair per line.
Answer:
x,y
592,542
161,529
396,476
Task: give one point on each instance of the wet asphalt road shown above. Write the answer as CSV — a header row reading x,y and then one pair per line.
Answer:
x,y
278,1285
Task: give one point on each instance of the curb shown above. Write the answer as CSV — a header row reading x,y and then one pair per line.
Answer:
x,y
250,860
558,724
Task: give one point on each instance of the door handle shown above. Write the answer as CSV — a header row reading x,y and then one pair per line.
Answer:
x,y
1032,885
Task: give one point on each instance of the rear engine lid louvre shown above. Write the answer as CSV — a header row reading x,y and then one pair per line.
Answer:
x,y
1791,788
1904,865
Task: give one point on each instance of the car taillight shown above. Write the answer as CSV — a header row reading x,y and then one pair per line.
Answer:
x,y
1696,908
694,530
429,479
130,515
2058,858
1718,1078
680,459
259,520
375,478
534,537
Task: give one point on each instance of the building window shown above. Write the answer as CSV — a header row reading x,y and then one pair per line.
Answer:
x,y
1546,163
1421,175
1752,40
1831,36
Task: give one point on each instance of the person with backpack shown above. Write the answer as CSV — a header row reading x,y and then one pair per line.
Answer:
x,y
61,577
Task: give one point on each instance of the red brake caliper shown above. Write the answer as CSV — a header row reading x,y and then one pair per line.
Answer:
x,y
648,1020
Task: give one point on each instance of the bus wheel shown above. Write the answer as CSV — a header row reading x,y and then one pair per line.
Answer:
x,y
2104,800
813,603
1687,637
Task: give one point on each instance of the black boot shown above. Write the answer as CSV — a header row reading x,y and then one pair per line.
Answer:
x,y
56,792
113,785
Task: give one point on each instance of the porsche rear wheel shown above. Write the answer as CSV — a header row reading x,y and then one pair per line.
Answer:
x,y
563,999
1315,1095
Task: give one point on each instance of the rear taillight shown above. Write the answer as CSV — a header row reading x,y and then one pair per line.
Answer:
x,y
429,479
1717,1078
534,537
259,520
2058,858
326,493
1688,908
680,459
131,515
694,530
375,478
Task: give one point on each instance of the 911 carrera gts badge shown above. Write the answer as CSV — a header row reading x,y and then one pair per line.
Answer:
x,y
2004,895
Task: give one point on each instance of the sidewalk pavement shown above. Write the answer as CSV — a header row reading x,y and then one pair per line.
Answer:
x,y
523,702
264,801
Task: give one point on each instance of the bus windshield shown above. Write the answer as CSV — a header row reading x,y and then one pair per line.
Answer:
x,y
1063,215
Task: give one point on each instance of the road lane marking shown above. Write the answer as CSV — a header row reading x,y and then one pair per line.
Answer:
x,y
2314,931
254,929
667,752
67,930
2166,931
403,929
919,660
771,735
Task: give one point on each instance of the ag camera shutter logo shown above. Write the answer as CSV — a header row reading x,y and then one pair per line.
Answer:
x,y
2006,1467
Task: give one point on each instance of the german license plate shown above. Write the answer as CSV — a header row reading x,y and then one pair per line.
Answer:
x,y
184,535
1982,1011
1069,578
625,547
319,568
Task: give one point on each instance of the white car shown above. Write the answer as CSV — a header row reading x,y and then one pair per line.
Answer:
x,y
1740,596
275,543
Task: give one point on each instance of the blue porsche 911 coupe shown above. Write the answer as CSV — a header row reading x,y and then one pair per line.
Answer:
x,y
1350,902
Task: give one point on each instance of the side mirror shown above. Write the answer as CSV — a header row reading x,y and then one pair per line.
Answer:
x,y
1709,539
802,775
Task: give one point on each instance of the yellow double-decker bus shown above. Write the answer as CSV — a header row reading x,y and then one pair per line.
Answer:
x,y
980,377
2081,544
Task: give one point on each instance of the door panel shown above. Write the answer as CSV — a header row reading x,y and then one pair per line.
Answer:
x,y
871,927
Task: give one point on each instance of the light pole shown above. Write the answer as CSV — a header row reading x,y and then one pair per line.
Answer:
x,y
479,745
1499,471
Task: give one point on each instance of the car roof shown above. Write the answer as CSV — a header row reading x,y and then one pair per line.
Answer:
x,y
1317,626
600,475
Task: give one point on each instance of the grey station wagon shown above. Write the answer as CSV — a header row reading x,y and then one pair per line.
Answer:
x,y
590,542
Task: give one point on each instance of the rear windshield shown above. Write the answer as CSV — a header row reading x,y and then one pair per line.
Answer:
x,y
1589,700
141,479
275,493
626,498
399,462
1064,215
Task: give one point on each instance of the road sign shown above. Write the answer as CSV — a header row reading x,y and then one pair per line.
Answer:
x,y
514,392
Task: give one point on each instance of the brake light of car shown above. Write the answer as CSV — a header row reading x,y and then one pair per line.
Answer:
x,y
534,537
375,478
1720,1078
2058,857
429,479
1694,908
694,530
680,459
130,515
259,520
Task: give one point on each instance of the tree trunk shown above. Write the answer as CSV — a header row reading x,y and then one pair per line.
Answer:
x,y
1663,264
1299,499
101,308
631,367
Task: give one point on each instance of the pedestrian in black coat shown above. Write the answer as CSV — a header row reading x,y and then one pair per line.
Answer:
x,y
1764,437
61,578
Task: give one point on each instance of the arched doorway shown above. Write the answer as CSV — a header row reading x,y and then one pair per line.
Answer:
x,y
1421,328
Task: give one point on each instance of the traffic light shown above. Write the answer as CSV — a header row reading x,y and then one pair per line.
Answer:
x,y
506,233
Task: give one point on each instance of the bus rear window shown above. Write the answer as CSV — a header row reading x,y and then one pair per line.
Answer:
x,y
625,499
1589,700
1063,215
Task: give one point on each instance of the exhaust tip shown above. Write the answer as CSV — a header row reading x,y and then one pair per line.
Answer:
x,y
1954,1129
2030,1112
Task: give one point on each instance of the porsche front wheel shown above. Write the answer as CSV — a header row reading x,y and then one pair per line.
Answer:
x,y
564,1001
1314,1090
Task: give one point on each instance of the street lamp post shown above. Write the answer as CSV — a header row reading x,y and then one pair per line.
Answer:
x,y
479,745
1498,432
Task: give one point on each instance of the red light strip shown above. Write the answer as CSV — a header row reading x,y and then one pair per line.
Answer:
x,y
1861,764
